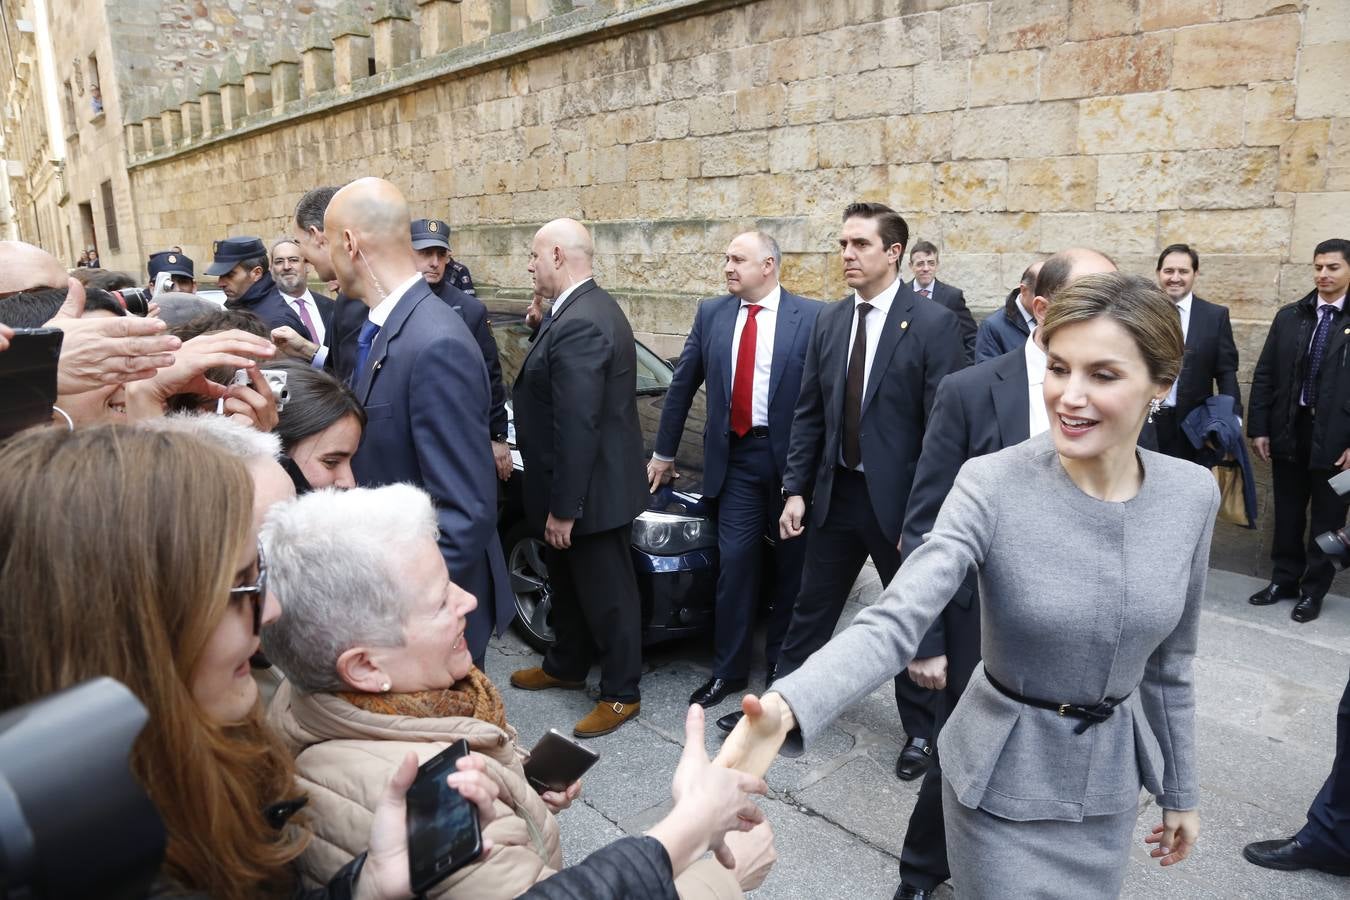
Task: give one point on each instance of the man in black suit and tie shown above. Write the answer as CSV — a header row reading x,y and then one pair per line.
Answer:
x,y
425,390
872,368
1298,421
291,274
337,352
923,261
577,430
749,348
1211,356
431,240
979,410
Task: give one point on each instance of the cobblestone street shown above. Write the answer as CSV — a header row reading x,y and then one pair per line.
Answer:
x,y
1267,694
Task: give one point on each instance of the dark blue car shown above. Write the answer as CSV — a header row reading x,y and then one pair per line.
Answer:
x,y
674,540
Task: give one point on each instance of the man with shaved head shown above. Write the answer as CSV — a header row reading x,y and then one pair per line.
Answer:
x,y
577,429
749,347
979,410
425,388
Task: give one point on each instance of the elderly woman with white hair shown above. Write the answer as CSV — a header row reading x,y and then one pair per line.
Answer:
x,y
373,645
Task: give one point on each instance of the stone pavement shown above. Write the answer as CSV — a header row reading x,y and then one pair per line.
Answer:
x,y
1267,690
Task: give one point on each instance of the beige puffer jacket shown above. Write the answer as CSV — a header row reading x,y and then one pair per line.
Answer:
x,y
345,756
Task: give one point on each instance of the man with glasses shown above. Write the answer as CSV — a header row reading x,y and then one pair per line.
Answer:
x,y
291,274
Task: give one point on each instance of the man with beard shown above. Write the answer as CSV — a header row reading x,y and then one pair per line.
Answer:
x,y
291,274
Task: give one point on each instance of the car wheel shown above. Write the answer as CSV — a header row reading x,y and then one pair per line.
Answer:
x,y
529,585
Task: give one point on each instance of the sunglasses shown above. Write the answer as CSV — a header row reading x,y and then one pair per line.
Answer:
x,y
257,592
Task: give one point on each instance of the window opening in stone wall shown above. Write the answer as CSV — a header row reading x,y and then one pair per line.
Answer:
x,y
71,122
110,217
87,226
95,90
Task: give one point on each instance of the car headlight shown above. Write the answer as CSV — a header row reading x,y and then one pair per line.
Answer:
x,y
667,534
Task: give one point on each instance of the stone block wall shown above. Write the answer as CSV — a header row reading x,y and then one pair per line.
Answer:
x,y
1003,129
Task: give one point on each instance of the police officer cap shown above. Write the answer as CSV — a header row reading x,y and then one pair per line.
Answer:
x,y
170,261
231,252
428,233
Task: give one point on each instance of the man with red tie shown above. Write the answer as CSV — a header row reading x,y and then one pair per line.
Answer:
x,y
748,347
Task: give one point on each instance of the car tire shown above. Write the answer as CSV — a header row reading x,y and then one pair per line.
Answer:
x,y
528,573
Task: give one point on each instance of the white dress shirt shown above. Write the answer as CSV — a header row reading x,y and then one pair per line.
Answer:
x,y
765,322
1027,315
307,300
876,323
919,289
1038,420
381,313
1184,308
562,298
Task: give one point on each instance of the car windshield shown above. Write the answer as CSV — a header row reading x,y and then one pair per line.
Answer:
x,y
513,343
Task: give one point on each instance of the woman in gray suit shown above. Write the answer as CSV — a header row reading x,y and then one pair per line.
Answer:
x,y
1092,557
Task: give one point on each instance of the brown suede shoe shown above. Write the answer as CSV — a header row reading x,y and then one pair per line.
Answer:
x,y
536,679
607,716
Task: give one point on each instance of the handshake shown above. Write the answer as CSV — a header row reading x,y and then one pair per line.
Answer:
x,y
713,806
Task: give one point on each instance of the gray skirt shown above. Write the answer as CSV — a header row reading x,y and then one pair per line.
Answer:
x,y
992,858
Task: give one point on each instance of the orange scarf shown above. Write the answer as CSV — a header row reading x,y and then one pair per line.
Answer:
x,y
473,696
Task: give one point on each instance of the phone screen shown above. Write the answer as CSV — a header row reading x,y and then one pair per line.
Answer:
x,y
443,831
28,379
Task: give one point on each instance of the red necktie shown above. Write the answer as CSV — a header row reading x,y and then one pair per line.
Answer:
x,y
743,386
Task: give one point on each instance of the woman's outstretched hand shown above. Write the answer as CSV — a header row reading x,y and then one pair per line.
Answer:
x,y
754,743
1175,837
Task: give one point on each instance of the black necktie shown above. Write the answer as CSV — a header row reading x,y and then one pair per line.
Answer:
x,y
1319,346
853,390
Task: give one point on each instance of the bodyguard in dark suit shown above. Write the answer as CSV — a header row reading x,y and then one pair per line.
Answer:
x,y
872,369
983,409
1211,356
425,391
923,260
577,430
1005,330
431,241
749,348
1299,421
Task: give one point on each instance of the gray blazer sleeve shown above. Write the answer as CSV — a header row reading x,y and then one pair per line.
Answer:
x,y
883,638
1167,693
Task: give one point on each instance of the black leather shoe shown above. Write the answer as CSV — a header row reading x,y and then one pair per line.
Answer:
x,y
715,690
1307,609
910,892
914,759
1271,593
728,722
1289,855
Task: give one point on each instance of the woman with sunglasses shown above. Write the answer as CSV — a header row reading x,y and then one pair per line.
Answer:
x,y
176,619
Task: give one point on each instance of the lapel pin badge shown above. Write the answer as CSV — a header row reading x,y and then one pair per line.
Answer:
x,y
904,324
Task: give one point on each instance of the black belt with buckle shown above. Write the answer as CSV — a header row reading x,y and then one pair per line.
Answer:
x,y
1090,714
759,431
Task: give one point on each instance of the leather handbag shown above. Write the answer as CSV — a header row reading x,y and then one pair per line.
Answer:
x,y
1232,504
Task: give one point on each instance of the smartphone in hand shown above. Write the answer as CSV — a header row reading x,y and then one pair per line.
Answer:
x,y
557,761
443,829
28,379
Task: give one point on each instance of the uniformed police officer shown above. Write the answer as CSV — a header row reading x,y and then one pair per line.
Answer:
x,y
177,266
240,264
431,242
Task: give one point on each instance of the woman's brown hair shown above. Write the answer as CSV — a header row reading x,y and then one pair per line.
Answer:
x,y
118,548
1134,303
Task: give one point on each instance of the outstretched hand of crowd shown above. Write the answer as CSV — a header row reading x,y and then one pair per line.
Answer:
x,y
98,352
753,744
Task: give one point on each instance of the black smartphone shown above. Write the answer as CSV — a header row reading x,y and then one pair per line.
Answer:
x,y
28,379
443,830
557,761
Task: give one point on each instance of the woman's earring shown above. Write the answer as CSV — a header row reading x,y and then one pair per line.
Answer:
x,y
1153,406
385,687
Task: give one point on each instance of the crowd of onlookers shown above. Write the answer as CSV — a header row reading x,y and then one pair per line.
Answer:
x,y
308,487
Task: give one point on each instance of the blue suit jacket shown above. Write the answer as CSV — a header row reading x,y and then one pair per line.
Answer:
x,y
425,390
475,315
706,358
